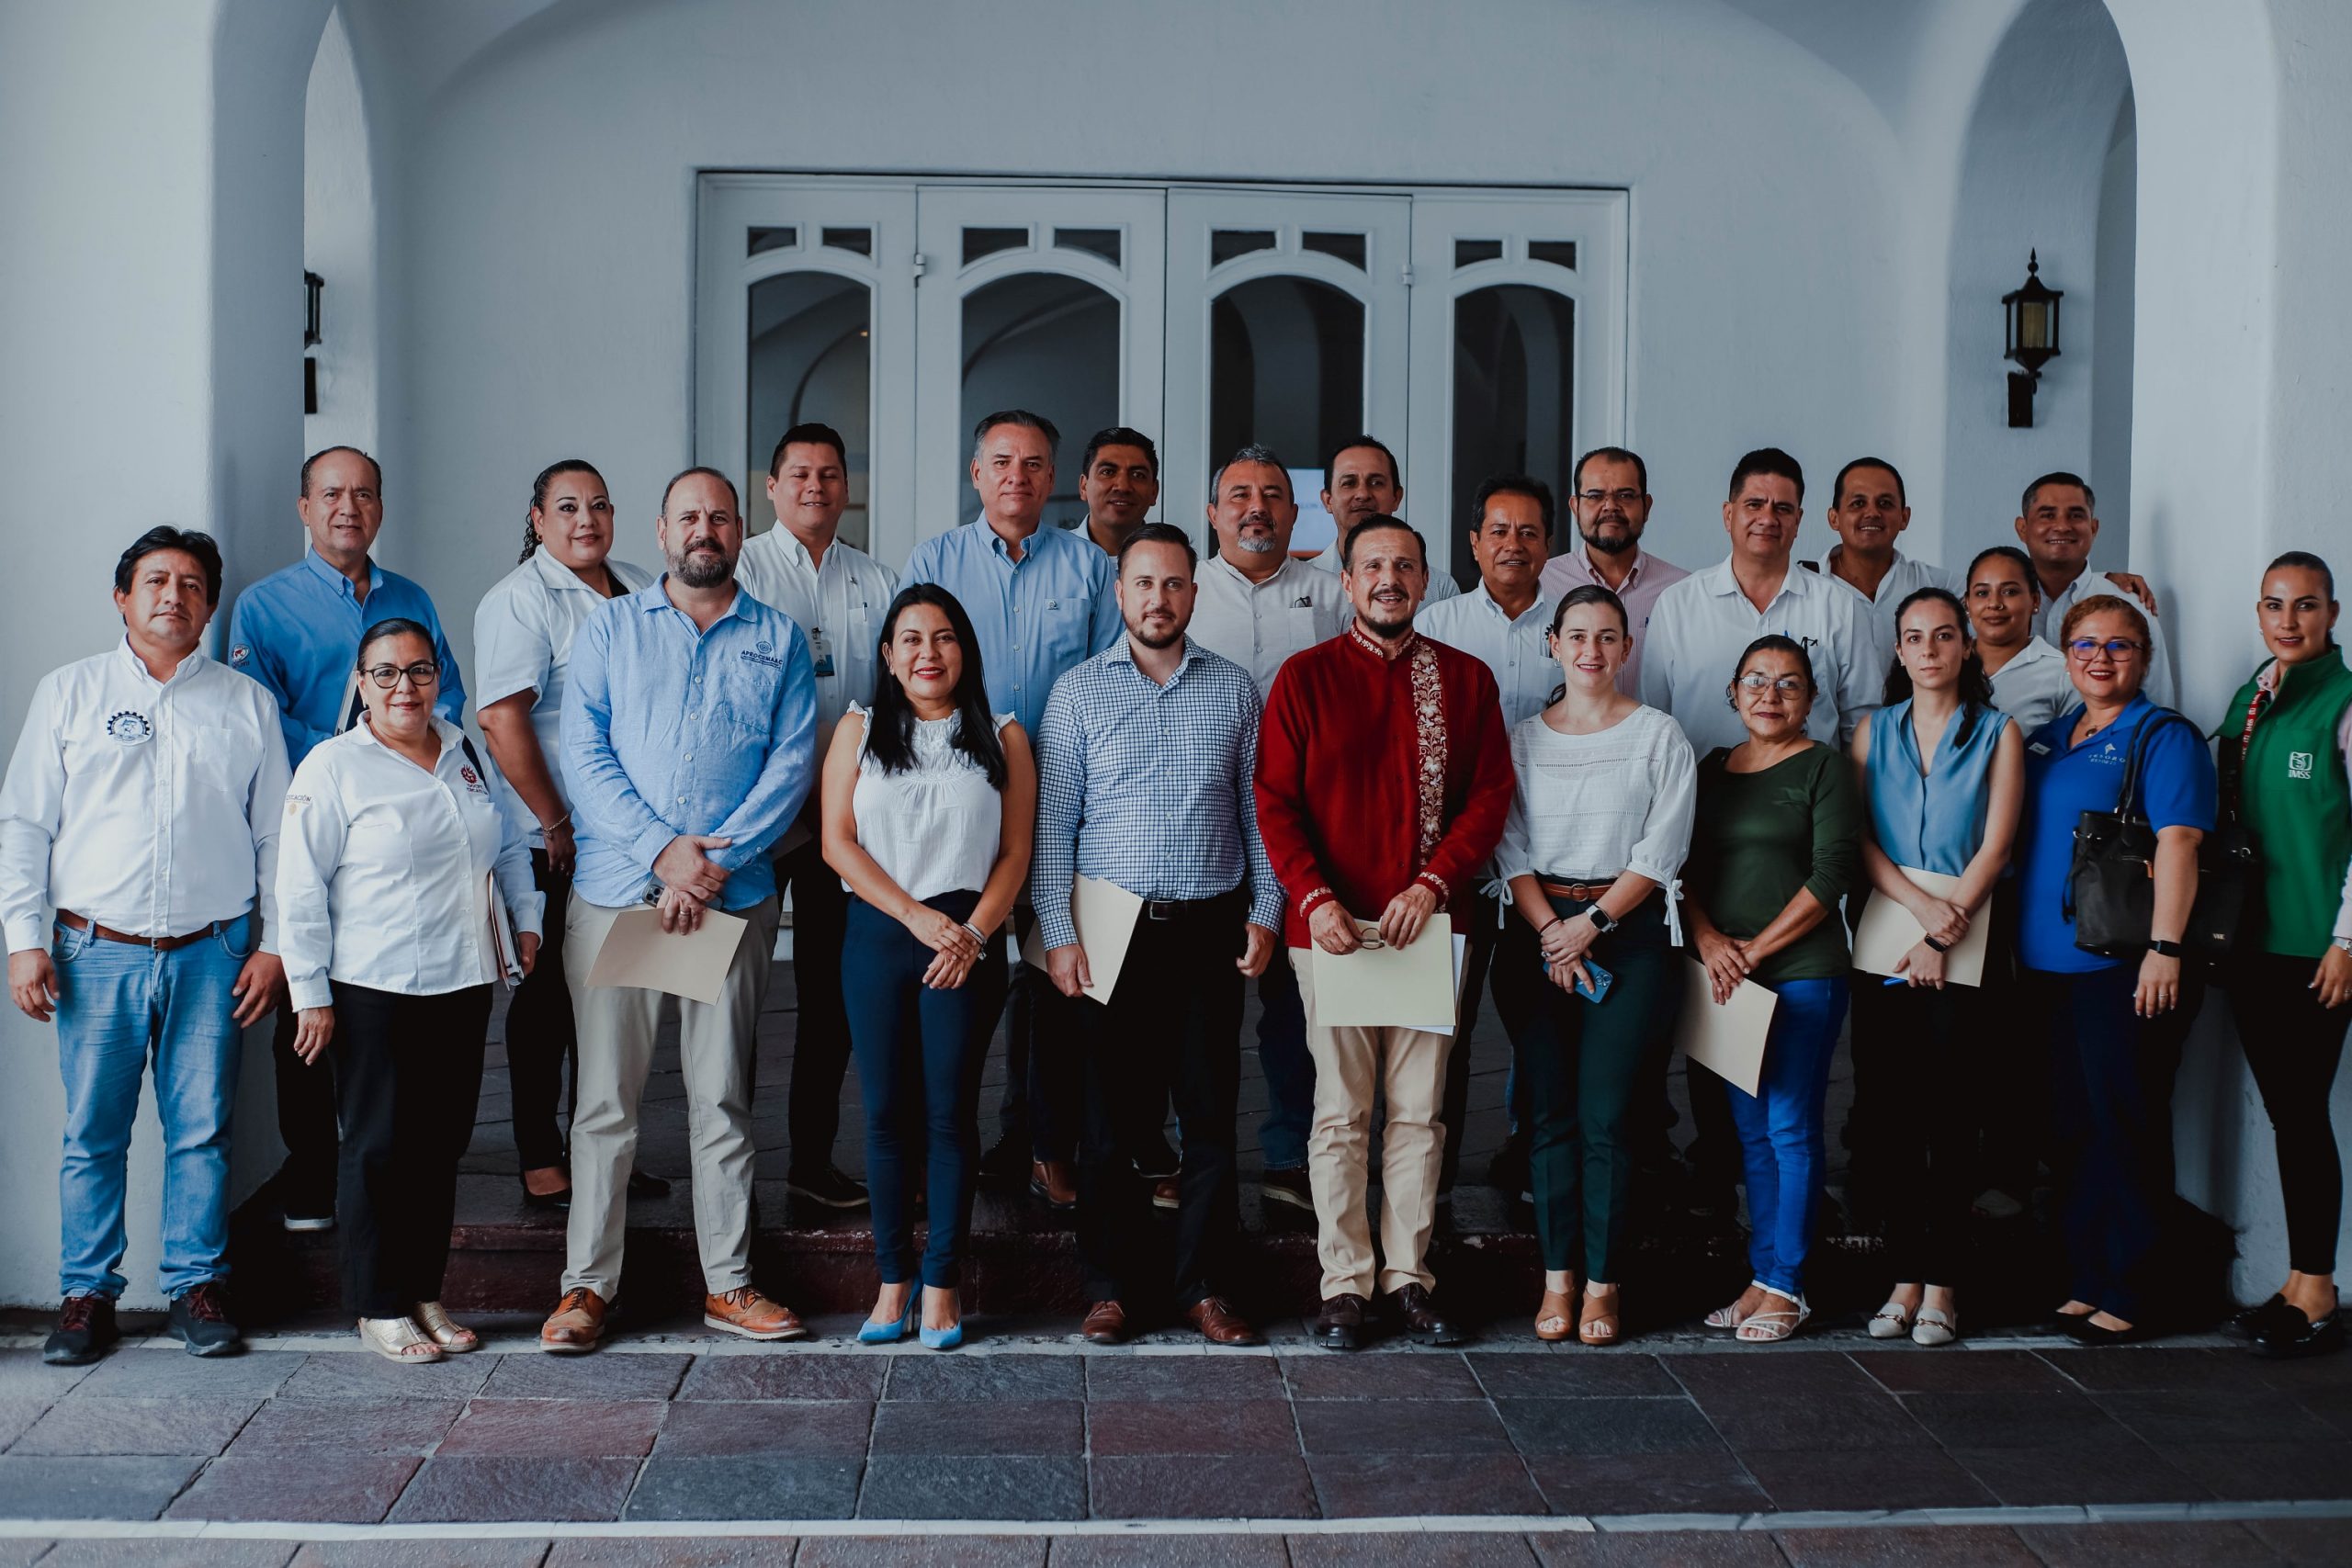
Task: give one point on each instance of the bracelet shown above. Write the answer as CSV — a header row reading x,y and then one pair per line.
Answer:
x,y
977,935
2162,949
1938,946
556,825
1556,920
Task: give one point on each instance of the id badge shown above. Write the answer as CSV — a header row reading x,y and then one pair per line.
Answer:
x,y
821,652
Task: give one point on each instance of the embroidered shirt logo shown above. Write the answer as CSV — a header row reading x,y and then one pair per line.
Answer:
x,y
473,780
2299,765
129,727
241,654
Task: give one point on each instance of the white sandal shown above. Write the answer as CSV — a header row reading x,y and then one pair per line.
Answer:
x,y
454,1337
1936,1327
1728,1317
398,1339
1770,1326
1891,1322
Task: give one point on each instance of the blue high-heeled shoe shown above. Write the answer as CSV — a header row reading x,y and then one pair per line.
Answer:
x,y
946,1338
873,1333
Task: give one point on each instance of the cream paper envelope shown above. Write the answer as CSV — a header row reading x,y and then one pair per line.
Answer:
x,y
692,965
1105,915
1387,987
1727,1041
1888,931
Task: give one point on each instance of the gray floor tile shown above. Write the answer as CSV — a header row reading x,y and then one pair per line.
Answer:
x,y
335,1488
783,1376
1950,1546
472,1488
1184,1377
1378,1486
1256,1486
353,1375
674,1551
304,1428
1522,1375
1865,1478
813,1428
709,1487
632,1376
36,1487
1326,1374
929,1486
1812,1422
1116,1426
1045,1426
1694,1481
1169,1551
555,1429
1995,1420
2118,1472
1607,1426
1915,1370
174,1375
1400,1425
923,1552
137,1427
995,1378
1464,1549
2174,1545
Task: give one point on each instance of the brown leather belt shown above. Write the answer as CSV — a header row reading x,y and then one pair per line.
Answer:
x,y
73,921
1578,892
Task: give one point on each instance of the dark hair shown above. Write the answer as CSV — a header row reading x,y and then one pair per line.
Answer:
x,y
1612,454
1371,524
734,496
1773,642
166,537
2007,553
383,631
809,434
1585,594
2057,477
1026,421
1120,435
1976,686
2293,560
539,498
1494,485
312,461
1395,474
1159,534
1837,490
2105,604
1254,452
890,736
1767,460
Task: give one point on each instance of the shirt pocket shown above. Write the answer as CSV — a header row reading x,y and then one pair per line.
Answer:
x,y
1295,630
1067,635
221,763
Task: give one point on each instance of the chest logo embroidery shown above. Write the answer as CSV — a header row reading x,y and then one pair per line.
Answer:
x,y
473,780
129,727
2299,765
241,655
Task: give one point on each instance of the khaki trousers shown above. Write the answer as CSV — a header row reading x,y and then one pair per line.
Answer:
x,y
616,1026
1408,1067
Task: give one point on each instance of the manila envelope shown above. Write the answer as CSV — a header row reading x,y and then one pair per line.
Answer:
x,y
1105,915
1727,1041
1386,987
1888,931
692,965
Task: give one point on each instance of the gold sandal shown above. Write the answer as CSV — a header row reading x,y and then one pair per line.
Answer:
x,y
454,1338
1552,1324
398,1339
1599,1326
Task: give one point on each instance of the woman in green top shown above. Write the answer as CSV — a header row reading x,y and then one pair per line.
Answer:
x,y
1777,844
2283,770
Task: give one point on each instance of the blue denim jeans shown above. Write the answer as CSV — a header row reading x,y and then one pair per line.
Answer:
x,y
1781,1140
1290,1071
118,1006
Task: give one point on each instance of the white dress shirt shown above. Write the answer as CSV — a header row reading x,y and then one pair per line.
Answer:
x,y
1259,625
1705,623
384,870
2051,616
1589,805
1905,577
523,632
838,605
2034,687
1516,650
149,806
1442,583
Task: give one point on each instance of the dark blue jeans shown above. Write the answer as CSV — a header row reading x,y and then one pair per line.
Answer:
x,y
917,1047
1781,1138
1290,1071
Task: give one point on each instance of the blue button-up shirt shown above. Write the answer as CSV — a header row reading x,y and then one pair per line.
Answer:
x,y
297,631
668,730
1150,786
1035,617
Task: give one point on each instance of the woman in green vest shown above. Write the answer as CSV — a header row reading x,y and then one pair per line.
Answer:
x,y
2284,744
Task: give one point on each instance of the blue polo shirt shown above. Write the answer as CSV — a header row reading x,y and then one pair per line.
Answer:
x,y
297,631
2062,782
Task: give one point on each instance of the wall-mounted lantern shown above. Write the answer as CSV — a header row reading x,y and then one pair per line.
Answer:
x,y
314,287
2030,316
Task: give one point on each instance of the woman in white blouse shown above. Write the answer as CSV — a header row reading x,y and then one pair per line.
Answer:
x,y
523,632
930,804
400,886
1593,847
2029,679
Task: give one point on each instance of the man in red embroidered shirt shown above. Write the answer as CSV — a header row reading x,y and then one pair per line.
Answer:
x,y
1384,774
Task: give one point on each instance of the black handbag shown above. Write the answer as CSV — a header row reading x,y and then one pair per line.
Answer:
x,y
2111,886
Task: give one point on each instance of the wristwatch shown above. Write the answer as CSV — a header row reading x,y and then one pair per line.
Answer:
x,y
1601,920
2162,949
2343,943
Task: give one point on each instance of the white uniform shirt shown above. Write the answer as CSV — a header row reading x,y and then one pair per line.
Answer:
x,y
1705,623
1442,583
1515,650
1259,625
523,632
383,874
2034,687
1905,577
839,606
2051,616
149,806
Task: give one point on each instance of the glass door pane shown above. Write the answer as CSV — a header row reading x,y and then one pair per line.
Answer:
x,y
810,359
1514,390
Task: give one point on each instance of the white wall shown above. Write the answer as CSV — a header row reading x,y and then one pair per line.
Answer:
x,y
339,244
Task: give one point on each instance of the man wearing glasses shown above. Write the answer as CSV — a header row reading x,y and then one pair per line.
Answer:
x,y
297,631
1611,505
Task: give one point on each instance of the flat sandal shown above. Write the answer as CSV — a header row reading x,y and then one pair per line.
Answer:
x,y
1545,1314
1770,1326
454,1337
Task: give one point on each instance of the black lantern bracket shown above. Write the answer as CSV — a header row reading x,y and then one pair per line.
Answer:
x,y
2029,325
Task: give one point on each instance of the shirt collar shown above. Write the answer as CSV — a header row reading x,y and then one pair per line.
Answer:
x,y
1373,647
1124,652
335,580
185,667
1723,584
1582,558
654,596
1282,573
561,578
452,738
1029,546
1543,604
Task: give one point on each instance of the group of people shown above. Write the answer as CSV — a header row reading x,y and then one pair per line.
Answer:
x,y
1593,764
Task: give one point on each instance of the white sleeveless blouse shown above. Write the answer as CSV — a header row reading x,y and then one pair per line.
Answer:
x,y
936,827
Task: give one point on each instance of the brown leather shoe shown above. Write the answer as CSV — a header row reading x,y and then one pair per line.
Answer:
x,y
1220,1324
1106,1324
746,1312
1421,1320
1339,1326
1053,1181
1167,1193
577,1324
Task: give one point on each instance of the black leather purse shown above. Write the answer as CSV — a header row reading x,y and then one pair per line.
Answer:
x,y
2111,886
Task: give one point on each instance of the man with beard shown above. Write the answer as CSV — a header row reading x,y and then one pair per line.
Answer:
x,y
1868,512
1611,506
1360,479
1119,482
2058,524
1383,777
689,734
1144,763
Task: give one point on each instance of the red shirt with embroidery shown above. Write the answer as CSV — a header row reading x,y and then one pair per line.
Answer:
x,y
1375,772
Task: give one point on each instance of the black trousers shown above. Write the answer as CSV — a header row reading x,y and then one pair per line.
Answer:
x,y
820,1044
2292,1045
1173,1027
1515,985
408,1078
1040,1102
306,1125
542,1045
1923,1167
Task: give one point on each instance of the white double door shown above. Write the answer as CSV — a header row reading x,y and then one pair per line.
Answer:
x,y
1460,328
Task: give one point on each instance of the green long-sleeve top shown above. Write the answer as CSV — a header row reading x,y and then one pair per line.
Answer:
x,y
1762,836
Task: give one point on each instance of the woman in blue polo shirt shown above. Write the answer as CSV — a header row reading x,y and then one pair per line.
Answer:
x,y
2115,1025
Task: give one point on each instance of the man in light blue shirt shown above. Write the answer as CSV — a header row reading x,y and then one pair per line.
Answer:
x,y
297,631
689,740
1042,601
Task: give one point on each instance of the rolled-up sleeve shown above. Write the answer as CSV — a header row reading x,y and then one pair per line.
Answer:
x,y
309,849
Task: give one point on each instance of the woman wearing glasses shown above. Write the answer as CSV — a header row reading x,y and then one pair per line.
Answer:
x,y
399,886
1778,843
2114,1024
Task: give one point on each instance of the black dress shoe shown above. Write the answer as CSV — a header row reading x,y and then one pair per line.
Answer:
x,y
1008,1160
2249,1323
1421,1319
561,1201
85,1328
1339,1326
2282,1341
2085,1332
641,1185
827,1185
200,1321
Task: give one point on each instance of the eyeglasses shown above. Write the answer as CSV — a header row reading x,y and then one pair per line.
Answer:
x,y
1622,497
2116,649
1756,681
419,675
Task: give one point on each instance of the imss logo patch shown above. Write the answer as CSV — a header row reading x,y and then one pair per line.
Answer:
x,y
129,727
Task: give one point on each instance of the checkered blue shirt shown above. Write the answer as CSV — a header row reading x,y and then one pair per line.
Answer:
x,y
1150,786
